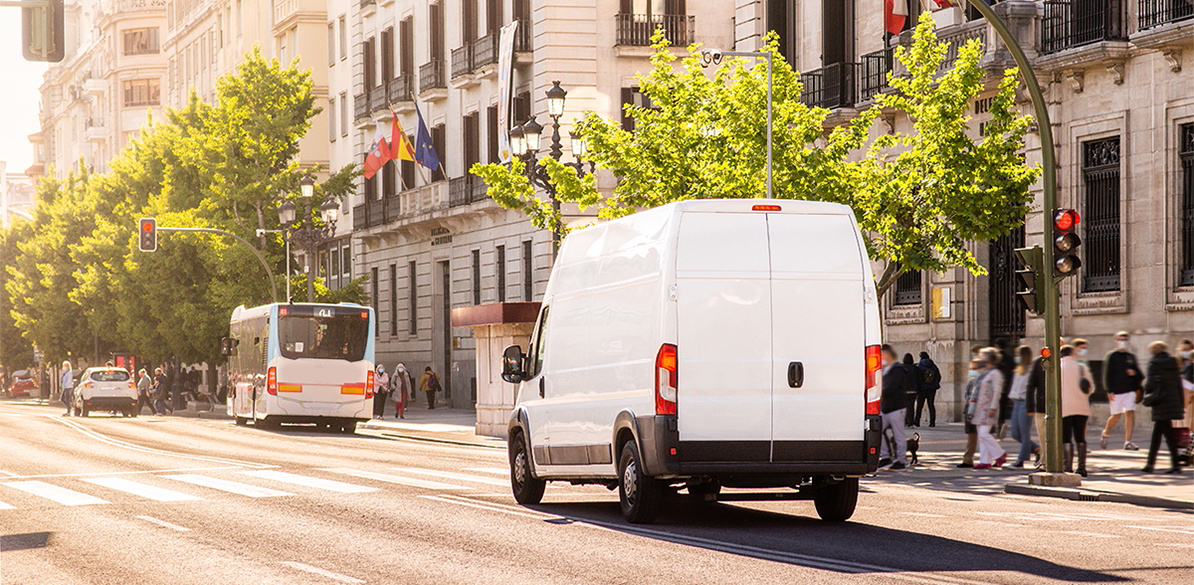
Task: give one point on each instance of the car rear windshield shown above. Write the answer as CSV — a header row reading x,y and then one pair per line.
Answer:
x,y
110,376
337,337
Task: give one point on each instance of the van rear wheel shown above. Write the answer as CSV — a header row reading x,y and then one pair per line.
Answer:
x,y
528,490
836,502
641,496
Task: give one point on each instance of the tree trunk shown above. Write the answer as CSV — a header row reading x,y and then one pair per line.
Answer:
x,y
889,277
260,224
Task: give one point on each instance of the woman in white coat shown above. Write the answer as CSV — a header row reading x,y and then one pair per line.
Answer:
x,y
1076,386
986,413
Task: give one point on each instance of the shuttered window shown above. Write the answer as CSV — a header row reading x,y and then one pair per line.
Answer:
x,y
908,288
1186,135
1101,242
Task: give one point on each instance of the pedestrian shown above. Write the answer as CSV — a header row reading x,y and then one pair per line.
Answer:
x,y
1022,421
403,387
1081,351
1122,378
1007,367
161,390
1163,394
68,386
144,384
1076,386
930,383
1034,403
430,385
382,381
986,410
969,404
893,402
913,383
1185,359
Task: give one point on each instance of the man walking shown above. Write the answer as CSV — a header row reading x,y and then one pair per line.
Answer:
x,y
892,404
430,385
144,384
161,390
930,383
1122,378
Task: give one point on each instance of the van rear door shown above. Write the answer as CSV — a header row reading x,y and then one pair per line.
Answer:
x,y
818,339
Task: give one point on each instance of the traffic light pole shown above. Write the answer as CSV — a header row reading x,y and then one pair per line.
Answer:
x,y
273,285
1047,280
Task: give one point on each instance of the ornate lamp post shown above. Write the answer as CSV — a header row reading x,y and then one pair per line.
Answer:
x,y
304,230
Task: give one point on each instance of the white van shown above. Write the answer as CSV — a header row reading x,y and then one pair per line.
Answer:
x,y
702,344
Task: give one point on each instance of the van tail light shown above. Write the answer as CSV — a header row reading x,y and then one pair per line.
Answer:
x,y
665,380
369,385
271,381
874,382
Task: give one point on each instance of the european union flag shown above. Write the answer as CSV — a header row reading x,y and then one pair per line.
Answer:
x,y
424,150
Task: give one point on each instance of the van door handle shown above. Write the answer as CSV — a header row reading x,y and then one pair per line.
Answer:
x,y
795,374
542,389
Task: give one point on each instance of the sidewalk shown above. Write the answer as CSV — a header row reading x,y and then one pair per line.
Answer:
x,y
443,425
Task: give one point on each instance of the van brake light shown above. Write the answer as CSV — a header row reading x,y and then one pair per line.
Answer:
x,y
369,385
665,380
766,208
874,382
271,381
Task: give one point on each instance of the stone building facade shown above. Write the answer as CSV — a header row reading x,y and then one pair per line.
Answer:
x,y
1116,75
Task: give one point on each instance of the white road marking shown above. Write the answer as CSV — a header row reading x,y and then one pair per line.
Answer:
x,y
323,572
1177,529
1177,544
164,524
4,506
235,487
8,473
52,492
923,514
456,476
134,447
398,479
1089,534
140,489
315,482
494,508
107,473
493,470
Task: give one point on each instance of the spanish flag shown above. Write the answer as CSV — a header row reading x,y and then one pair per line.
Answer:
x,y
400,146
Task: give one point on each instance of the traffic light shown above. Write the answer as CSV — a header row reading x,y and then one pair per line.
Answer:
x,y
42,37
1029,293
1065,243
149,234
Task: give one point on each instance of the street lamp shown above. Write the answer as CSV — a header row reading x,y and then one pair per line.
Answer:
x,y
305,231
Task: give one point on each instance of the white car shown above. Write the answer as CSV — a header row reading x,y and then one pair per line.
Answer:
x,y
703,344
105,389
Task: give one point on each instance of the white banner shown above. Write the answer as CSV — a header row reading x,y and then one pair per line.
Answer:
x,y
505,87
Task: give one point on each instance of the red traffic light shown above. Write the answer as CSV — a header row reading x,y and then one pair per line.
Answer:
x,y
148,240
1066,219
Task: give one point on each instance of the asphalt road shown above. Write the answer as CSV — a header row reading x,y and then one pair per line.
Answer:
x,y
189,501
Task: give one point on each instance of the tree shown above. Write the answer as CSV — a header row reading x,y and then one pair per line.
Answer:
x,y
919,198
15,348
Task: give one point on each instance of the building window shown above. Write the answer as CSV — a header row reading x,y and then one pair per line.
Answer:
x,y
389,181
333,281
332,118
476,277
412,298
344,111
499,269
528,280
522,107
393,300
331,44
472,148
346,263
373,289
1100,178
491,127
371,188
406,43
632,96
387,54
142,92
141,41
437,142
343,38
369,62
408,169
907,288
1186,135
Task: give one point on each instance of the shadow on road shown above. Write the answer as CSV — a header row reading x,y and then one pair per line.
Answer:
x,y
806,541
11,542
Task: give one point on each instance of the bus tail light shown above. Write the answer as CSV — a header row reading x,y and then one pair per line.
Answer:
x,y
271,381
665,380
358,389
369,385
874,382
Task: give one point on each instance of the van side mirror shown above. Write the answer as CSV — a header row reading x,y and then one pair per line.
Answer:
x,y
512,359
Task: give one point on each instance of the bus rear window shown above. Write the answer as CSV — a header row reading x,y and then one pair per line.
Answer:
x,y
339,337
110,376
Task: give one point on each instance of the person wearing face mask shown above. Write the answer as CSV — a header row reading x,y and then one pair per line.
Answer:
x,y
1022,421
382,384
1082,350
1034,403
1076,386
986,411
1164,397
1185,359
1122,378
892,405
970,402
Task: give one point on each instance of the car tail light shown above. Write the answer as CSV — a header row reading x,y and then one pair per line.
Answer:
x,y
665,380
369,385
271,381
766,208
874,382
88,385
132,385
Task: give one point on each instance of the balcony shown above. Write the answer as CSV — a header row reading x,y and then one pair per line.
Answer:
x,y
360,106
375,212
95,130
524,37
485,51
377,99
1154,13
393,208
833,86
465,190
431,78
957,37
462,61
400,89
1076,23
875,68
368,5
635,30
360,218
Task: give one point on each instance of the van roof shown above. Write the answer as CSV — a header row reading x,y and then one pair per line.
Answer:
x,y
744,205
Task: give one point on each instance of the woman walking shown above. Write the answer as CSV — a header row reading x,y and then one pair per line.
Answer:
x,y
382,393
986,415
1076,385
429,384
68,387
1163,393
403,389
1022,421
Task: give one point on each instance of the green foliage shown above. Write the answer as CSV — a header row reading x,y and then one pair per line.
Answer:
x,y
353,292
920,198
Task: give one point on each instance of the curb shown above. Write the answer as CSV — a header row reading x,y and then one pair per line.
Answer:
x,y
1096,496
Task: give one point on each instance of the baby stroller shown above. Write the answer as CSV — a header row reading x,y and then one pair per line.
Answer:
x,y
1185,443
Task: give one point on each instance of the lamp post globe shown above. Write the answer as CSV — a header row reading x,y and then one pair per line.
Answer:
x,y
578,145
518,142
329,212
555,100
307,185
287,212
533,131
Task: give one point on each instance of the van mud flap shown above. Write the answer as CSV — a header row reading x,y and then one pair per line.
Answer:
x,y
874,434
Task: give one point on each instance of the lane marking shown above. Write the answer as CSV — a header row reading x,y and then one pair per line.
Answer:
x,y
1090,534
4,506
58,494
314,482
225,485
494,508
107,473
1177,529
398,479
164,524
134,447
923,514
8,473
1177,544
141,489
322,572
456,476
494,470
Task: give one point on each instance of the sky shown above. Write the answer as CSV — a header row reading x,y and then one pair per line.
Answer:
x,y
18,100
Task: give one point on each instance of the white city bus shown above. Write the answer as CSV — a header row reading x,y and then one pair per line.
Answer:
x,y
301,363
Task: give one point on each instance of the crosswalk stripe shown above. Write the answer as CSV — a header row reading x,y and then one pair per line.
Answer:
x,y
456,476
140,489
4,506
225,485
58,494
315,482
398,479
494,470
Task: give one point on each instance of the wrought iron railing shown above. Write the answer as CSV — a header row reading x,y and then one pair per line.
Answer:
x,y
1187,218
458,190
524,37
360,217
360,106
393,207
431,75
400,89
478,190
635,30
462,61
377,98
875,68
908,288
377,212
1073,23
1153,13
957,38
832,86
1101,241
485,50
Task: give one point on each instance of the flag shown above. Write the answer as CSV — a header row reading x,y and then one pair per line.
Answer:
x,y
947,3
378,155
424,150
897,15
400,147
